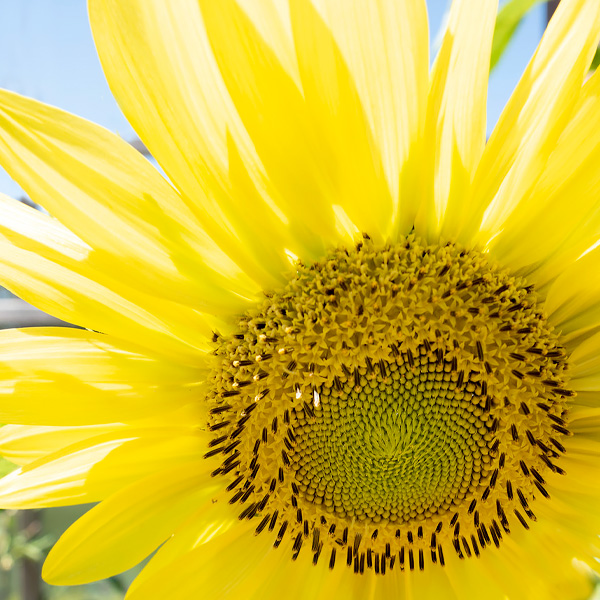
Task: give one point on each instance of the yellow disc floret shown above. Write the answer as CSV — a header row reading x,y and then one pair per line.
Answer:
x,y
389,405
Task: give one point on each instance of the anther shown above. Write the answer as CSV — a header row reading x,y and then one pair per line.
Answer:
x,y
521,519
522,498
220,425
479,350
561,429
247,494
236,497
213,452
493,478
235,483
219,409
509,490
217,441
273,520
541,488
514,432
247,512
262,525
332,559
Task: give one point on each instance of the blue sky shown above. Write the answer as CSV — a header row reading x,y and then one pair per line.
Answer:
x,y
48,53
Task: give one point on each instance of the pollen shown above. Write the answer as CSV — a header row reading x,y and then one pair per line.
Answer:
x,y
390,405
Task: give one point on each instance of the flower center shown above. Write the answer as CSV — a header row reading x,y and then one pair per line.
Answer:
x,y
390,404
395,443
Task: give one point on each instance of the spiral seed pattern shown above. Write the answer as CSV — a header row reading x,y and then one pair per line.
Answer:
x,y
390,405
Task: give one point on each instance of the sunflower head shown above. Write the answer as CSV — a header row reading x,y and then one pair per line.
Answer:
x,y
391,401
347,347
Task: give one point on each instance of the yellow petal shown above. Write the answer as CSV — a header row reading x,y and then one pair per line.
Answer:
x,y
534,117
256,570
58,290
585,365
353,165
90,470
60,376
194,142
573,300
246,555
158,324
300,163
126,527
112,197
456,111
210,521
386,48
559,219
22,444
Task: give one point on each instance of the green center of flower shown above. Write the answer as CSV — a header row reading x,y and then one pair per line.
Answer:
x,y
399,441
392,404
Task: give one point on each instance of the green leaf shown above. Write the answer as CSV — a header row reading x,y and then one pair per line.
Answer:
x,y
509,17
6,466
596,61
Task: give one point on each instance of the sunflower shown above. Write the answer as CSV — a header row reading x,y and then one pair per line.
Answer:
x,y
348,349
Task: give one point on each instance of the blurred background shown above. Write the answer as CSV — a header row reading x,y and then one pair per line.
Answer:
x,y
48,53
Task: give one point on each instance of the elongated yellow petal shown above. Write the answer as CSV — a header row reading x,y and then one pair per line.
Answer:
x,y
385,47
136,520
211,520
456,112
559,220
52,376
22,444
113,198
534,117
242,551
149,320
256,570
585,361
63,293
356,177
573,301
90,470
199,143
297,155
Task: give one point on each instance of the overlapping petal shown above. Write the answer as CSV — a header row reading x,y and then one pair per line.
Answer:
x,y
534,118
91,470
284,128
456,114
384,45
23,444
560,218
114,199
573,301
136,519
47,265
203,143
52,376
